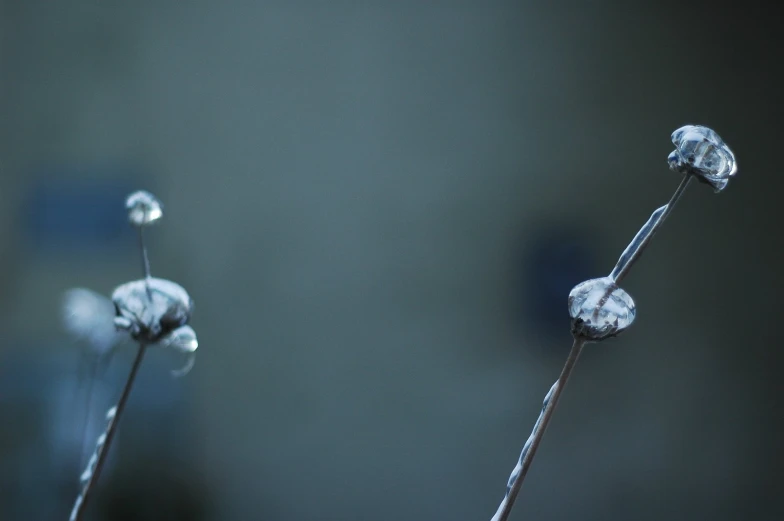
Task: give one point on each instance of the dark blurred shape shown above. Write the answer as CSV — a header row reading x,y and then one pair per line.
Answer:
x,y
555,260
146,492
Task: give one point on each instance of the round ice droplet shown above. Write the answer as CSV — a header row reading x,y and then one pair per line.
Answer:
x,y
700,151
183,339
143,208
151,308
600,309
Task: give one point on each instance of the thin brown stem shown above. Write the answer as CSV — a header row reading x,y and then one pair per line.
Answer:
x,y
531,446
94,466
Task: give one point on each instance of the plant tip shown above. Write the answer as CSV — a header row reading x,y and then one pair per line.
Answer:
x,y
151,308
699,151
143,208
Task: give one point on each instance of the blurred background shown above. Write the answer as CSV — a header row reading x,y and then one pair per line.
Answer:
x,y
379,209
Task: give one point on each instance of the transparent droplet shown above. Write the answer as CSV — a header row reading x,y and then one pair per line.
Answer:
x,y
151,308
143,208
600,309
183,339
700,151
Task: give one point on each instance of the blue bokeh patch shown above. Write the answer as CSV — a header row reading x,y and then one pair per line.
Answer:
x,y
77,210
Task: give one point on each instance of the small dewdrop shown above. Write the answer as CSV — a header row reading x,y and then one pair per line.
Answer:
x,y
143,208
183,339
150,309
700,151
600,309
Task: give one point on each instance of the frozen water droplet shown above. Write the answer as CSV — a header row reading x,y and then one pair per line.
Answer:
x,y
600,309
183,339
143,208
151,308
700,151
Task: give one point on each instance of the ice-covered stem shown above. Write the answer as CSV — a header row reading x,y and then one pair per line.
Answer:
x,y
532,444
599,308
145,257
97,460
646,233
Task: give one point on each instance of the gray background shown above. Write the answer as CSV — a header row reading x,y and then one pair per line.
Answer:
x,y
349,190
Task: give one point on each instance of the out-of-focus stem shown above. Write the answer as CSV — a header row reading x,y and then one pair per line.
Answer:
x,y
94,466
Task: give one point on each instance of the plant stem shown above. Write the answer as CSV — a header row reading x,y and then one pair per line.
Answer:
x,y
145,262
532,444
145,258
94,466
646,233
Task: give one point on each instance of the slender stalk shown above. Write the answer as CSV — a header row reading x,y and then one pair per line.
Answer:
x,y
641,240
688,138
95,465
145,262
145,258
629,256
532,444
88,409
635,248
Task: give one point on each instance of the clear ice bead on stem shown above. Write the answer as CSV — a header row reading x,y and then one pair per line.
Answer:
x,y
150,309
700,151
143,208
183,339
600,309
